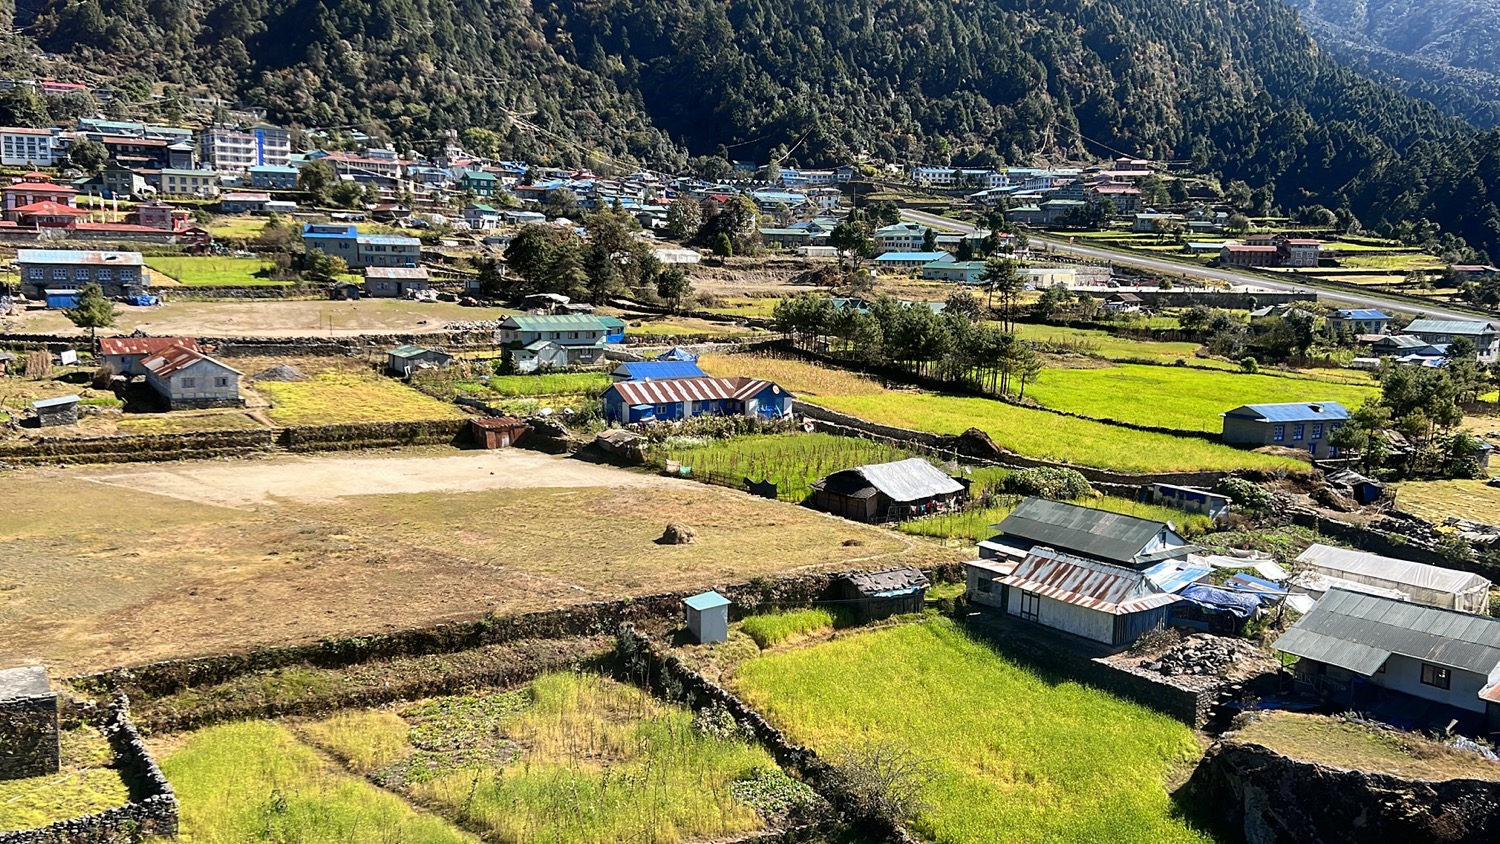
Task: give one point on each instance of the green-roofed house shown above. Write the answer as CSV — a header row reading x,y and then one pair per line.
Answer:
x,y
584,337
404,360
963,272
481,217
786,238
480,183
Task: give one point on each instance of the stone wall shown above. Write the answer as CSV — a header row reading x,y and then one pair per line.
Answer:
x,y
28,737
374,435
1266,798
152,809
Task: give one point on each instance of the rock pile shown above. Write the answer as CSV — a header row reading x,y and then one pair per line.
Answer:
x,y
1195,656
472,325
280,372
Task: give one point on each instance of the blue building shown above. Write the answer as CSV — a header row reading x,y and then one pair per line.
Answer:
x,y
684,398
1360,321
657,370
911,261
1306,425
273,177
361,250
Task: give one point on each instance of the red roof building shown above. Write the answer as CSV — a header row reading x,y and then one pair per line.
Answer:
x,y
30,193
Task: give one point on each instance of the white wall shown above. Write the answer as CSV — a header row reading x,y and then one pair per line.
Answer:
x,y
990,598
1071,618
1404,674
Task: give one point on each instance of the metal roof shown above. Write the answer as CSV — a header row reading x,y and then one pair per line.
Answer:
x,y
387,240
706,601
673,390
77,256
24,683
1291,412
142,345
659,369
1178,574
888,583
1360,632
677,353
1081,530
923,257
552,322
912,479
1342,562
1450,326
407,351
59,401
177,358
1363,313
419,273
1098,586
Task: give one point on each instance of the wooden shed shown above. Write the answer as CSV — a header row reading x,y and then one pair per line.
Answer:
x,y
887,491
880,594
62,410
497,431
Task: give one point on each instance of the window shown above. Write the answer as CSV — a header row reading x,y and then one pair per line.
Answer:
x,y
1317,432
190,382
59,273
105,275
36,273
221,382
81,274
1031,606
985,585
1436,675
1297,431
1278,433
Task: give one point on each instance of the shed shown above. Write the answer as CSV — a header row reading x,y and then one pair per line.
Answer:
x,y
887,491
707,617
1096,600
1420,583
404,360
1362,489
539,356
881,594
28,723
497,431
1187,498
62,410
62,299
677,353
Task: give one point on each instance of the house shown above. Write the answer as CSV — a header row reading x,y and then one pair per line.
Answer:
x,y
497,431
1281,311
1248,255
273,176
872,595
684,398
22,194
1484,335
124,354
1461,272
1123,303
479,182
521,218
1294,424
1187,498
880,492
1101,601
481,217
1359,321
243,203
910,261
1405,344
785,238
539,356
394,282
1354,649
584,337
233,149
1151,222
361,250
1297,252
962,272
187,378
1085,532
404,360
45,214
53,412
657,370
707,617
22,147
181,182
899,237
119,182
159,215
1432,586
116,273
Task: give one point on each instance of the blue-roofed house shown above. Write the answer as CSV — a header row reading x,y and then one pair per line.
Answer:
x,y
1306,425
910,261
361,250
1360,321
273,176
116,273
657,370
684,398
1484,335
677,353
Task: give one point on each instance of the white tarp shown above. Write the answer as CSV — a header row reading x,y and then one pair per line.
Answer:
x,y
1264,567
1423,584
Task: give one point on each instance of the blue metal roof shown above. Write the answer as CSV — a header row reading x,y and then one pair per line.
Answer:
x,y
40,404
1174,575
641,370
1363,313
389,240
707,601
1292,412
924,257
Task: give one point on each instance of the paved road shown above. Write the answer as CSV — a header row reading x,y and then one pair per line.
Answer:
x,y
1173,268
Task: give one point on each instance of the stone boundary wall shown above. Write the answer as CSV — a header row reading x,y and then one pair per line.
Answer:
x,y
228,347
152,809
668,677
1262,796
28,737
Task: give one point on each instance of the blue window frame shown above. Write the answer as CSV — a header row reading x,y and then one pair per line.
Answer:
x,y
1297,431
1278,433
1317,431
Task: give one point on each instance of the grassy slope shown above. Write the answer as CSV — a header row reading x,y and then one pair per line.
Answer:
x,y
1016,757
1437,500
333,398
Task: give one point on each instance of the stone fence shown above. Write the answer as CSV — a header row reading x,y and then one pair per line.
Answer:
x,y
152,810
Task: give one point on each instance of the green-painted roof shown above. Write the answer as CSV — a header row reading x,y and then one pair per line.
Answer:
x,y
480,177
408,351
559,322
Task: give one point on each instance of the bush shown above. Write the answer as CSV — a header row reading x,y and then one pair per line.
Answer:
x,y
1251,497
1048,482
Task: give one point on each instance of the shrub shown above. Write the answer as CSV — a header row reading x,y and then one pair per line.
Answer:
x,y
1048,482
1252,497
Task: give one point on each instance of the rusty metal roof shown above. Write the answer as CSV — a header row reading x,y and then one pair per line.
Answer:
x,y
497,423
143,345
1098,586
669,391
177,358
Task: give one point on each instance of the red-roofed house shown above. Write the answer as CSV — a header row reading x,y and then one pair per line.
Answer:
x,y
30,193
46,213
159,215
188,378
683,398
1248,255
123,354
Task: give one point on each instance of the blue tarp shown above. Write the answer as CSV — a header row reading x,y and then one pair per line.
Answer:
x,y
1210,597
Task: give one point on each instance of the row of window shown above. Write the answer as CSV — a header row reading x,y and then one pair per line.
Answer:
x,y
190,383
1278,432
80,274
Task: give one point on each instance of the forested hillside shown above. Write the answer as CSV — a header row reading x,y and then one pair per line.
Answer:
x,y
1238,88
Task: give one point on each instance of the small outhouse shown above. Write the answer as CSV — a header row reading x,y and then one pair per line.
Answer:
x,y
62,410
708,617
497,431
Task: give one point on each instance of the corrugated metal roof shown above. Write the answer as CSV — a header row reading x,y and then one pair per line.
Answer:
x,y
77,256
1363,313
143,345
879,584
407,351
675,390
1292,412
706,601
173,359
396,272
1342,562
659,369
912,479
1450,326
387,240
1176,575
1105,587
552,322
1359,632
1081,530
58,401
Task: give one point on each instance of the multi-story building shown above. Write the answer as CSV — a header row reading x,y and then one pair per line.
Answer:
x,y
273,176
20,147
361,250
185,182
118,273
231,149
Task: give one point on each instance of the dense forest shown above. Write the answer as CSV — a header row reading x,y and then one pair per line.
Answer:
x,y
1238,89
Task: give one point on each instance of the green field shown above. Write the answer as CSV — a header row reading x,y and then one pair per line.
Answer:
x,y
253,781
549,384
1014,757
1178,397
332,398
975,525
573,759
85,783
192,271
237,227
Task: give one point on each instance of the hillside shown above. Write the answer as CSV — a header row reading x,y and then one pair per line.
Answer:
x,y
1239,89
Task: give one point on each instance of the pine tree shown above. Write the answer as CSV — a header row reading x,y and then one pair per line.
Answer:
x,y
93,311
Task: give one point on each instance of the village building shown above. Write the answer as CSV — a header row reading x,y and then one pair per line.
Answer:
x,y
22,147
1308,425
187,378
880,492
243,203
23,194
492,432
395,282
124,354
1484,335
1100,601
159,215
1187,498
684,398
174,181
1357,651
1123,303
910,261
707,617
405,360
540,356
233,149
899,237
1248,255
872,595
1086,532
361,250
658,370
961,272
273,176
58,411
116,273
583,337
1341,568
1359,321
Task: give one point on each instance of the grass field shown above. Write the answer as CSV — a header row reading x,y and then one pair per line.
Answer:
x,y
975,525
252,781
332,398
1178,397
85,783
772,629
237,227
1106,345
574,759
1034,433
550,384
1013,756
1342,744
194,271
1437,500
